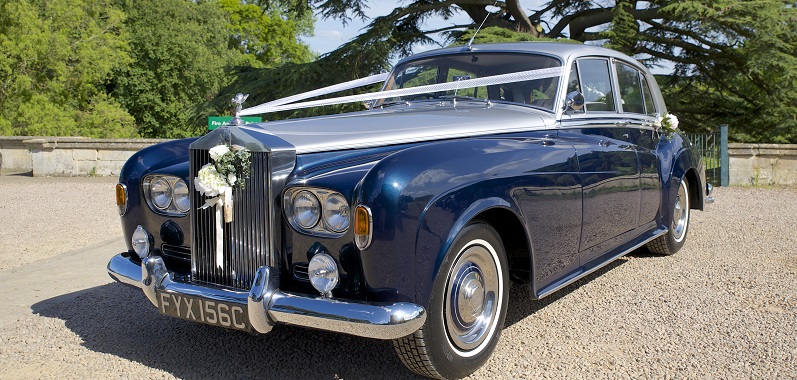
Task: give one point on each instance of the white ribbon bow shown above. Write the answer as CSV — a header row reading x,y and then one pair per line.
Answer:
x,y
221,202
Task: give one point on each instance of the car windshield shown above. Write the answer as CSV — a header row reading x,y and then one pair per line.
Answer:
x,y
450,68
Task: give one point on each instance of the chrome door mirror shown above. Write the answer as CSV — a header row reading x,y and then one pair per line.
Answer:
x,y
574,101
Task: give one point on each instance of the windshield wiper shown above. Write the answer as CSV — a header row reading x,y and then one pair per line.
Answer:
x,y
454,99
393,103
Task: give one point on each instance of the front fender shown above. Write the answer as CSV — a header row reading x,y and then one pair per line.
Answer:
x,y
420,197
170,157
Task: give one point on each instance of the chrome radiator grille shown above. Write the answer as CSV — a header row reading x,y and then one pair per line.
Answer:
x,y
246,238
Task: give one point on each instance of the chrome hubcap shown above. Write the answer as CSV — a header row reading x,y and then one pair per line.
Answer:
x,y
472,298
680,213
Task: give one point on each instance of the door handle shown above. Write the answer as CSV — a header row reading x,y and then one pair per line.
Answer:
x,y
605,143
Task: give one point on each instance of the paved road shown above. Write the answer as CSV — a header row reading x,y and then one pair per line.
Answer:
x,y
723,307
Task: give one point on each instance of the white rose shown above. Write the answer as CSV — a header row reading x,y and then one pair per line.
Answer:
x,y
673,120
217,151
209,182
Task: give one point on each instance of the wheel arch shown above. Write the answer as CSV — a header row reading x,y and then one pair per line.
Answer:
x,y
686,166
514,238
694,186
502,215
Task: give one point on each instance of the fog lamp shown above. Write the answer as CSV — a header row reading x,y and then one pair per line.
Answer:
x,y
141,241
323,273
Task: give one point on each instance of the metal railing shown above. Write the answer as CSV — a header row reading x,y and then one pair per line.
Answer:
x,y
713,147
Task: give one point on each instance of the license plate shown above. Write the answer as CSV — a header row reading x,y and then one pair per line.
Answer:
x,y
217,313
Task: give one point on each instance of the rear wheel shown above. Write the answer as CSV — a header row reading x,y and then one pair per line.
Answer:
x,y
466,311
675,238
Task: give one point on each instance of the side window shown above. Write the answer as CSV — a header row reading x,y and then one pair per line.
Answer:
x,y
573,84
650,107
630,88
596,84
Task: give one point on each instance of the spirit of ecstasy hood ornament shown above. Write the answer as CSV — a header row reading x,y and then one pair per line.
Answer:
x,y
238,101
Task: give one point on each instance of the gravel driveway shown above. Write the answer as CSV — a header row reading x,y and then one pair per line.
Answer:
x,y
724,307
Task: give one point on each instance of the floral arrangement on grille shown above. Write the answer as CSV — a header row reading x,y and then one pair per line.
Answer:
x,y
229,168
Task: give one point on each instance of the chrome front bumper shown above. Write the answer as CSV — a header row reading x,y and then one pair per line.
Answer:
x,y
267,305
709,189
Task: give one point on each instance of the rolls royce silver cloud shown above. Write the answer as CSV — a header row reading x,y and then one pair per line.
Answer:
x,y
474,167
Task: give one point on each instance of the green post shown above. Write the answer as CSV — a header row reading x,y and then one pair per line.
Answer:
x,y
724,160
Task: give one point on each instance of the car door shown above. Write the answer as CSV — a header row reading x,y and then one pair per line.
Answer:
x,y
639,109
608,164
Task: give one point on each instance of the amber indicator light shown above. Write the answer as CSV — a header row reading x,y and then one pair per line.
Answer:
x,y
361,222
120,195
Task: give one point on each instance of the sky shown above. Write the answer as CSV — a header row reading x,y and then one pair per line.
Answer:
x,y
329,34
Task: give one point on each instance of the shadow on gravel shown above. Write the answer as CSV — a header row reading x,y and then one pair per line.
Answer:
x,y
119,320
644,253
521,305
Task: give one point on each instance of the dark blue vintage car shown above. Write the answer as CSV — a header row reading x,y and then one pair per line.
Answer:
x,y
474,167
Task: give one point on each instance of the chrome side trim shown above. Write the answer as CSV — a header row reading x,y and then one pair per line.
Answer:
x,y
548,292
267,305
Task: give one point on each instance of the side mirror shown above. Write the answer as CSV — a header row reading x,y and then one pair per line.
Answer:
x,y
574,101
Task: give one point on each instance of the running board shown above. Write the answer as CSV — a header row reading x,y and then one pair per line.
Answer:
x,y
554,287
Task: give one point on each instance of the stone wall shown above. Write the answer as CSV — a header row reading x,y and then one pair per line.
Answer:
x,y
762,164
750,164
68,156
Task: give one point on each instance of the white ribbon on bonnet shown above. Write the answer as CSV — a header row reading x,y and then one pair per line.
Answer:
x,y
280,104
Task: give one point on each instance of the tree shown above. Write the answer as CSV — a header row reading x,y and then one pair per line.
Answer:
x,y
733,60
266,34
55,60
184,52
180,53
740,69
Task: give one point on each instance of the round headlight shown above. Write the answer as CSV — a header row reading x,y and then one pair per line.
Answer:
x,y
323,273
141,241
181,199
306,209
336,213
161,193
